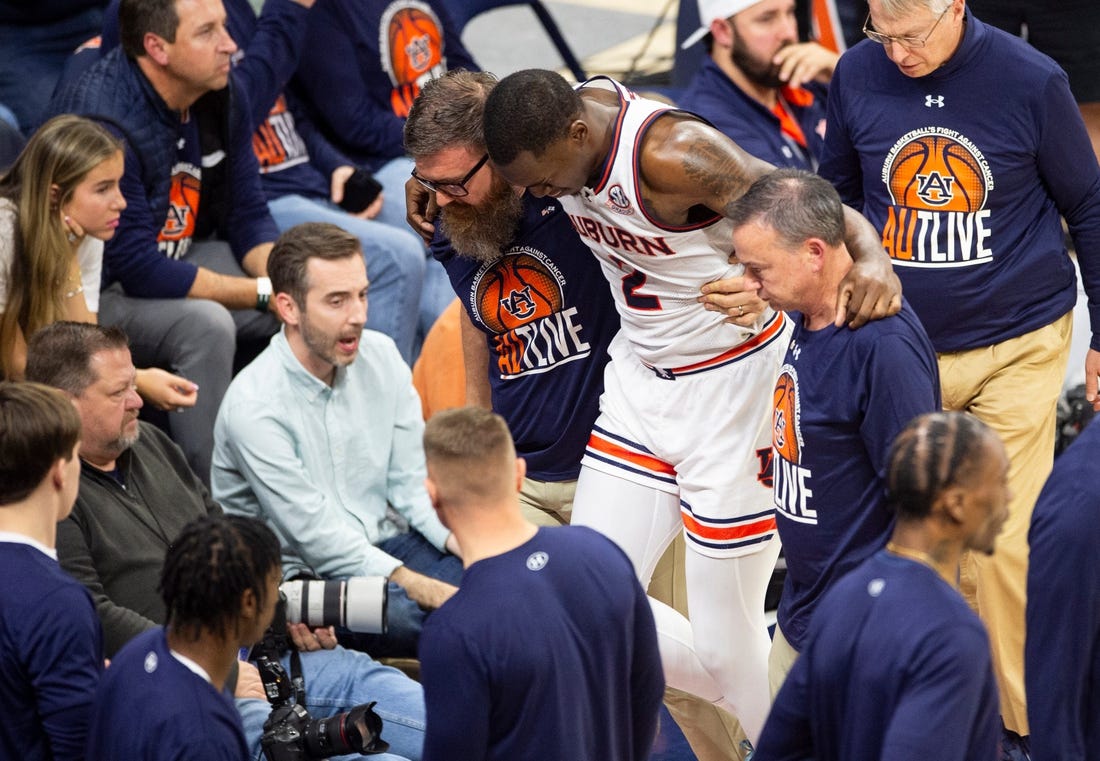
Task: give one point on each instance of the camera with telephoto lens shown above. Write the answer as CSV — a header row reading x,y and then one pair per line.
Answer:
x,y
290,733
358,603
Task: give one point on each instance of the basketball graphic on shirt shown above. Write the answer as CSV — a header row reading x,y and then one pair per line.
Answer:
x,y
411,49
936,172
516,289
786,436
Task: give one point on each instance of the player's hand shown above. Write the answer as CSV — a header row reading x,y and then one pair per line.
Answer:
x,y
249,683
1092,370
425,591
166,391
870,291
733,297
804,62
310,640
420,209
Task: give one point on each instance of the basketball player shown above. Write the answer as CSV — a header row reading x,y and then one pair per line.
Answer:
x,y
830,449
681,441
963,146
897,668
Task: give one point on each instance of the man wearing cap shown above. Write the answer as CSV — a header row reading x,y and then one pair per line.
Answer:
x,y
759,85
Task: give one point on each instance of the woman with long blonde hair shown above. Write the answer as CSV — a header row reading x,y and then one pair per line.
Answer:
x,y
58,203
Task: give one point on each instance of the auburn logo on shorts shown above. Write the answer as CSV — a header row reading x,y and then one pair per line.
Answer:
x,y
183,207
939,184
786,431
411,42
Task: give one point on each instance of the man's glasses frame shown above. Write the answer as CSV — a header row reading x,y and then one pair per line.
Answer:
x,y
910,43
453,189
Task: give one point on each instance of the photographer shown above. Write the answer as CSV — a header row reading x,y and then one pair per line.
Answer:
x,y
136,495
165,693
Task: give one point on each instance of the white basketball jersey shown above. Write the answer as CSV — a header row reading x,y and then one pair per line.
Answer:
x,y
655,270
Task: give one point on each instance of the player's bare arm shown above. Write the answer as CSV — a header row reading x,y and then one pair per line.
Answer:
x,y
870,290
686,163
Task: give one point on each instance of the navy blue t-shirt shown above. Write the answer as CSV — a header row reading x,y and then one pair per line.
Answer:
x,y
1062,650
897,667
151,707
842,396
548,318
51,657
547,651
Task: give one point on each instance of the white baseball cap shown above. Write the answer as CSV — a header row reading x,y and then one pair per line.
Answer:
x,y
715,9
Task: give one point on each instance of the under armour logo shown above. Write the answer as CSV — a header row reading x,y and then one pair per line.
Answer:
x,y
536,561
936,101
796,350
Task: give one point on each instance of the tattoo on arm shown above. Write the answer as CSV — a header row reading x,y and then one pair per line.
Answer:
x,y
721,175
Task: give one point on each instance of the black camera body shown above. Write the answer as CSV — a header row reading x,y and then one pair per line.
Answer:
x,y
290,733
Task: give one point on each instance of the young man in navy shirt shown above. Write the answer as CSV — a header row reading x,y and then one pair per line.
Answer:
x,y
51,649
165,694
575,622
897,666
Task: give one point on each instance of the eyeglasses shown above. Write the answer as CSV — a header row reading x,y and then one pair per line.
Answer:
x,y
453,189
905,42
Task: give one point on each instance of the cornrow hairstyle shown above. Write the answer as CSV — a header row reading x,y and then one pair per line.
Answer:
x,y
934,452
209,566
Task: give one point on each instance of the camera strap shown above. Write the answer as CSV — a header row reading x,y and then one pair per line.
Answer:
x,y
297,681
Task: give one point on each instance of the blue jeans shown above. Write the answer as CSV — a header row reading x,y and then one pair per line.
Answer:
x,y
437,293
338,680
404,617
395,264
34,56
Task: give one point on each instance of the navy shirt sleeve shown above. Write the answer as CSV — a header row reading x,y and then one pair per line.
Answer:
x,y
249,221
456,696
66,661
786,735
839,161
273,46
946,691
1062,652
1073,180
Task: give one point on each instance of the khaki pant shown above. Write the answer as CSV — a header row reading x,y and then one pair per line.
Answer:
x,y
780,660
1013,387
714,735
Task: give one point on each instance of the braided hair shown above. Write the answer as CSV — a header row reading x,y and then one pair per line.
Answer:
x,y
934,452
210,565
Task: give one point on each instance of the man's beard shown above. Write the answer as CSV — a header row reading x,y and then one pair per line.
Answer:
x,y
760,73
481,232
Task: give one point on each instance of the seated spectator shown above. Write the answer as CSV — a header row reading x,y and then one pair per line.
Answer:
x,y
896,665
37,39
165,693
186,279
829,450
51,648
11,142
136,495
362,65
320,436
58,204
577,623
303,176
1062,649
758,84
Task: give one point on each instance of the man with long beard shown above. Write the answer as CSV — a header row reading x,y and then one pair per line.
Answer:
x,y
759,85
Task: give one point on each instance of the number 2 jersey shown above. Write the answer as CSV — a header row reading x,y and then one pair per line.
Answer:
x,y
656,270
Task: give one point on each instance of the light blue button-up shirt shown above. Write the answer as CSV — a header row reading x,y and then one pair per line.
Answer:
x,y
324,465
